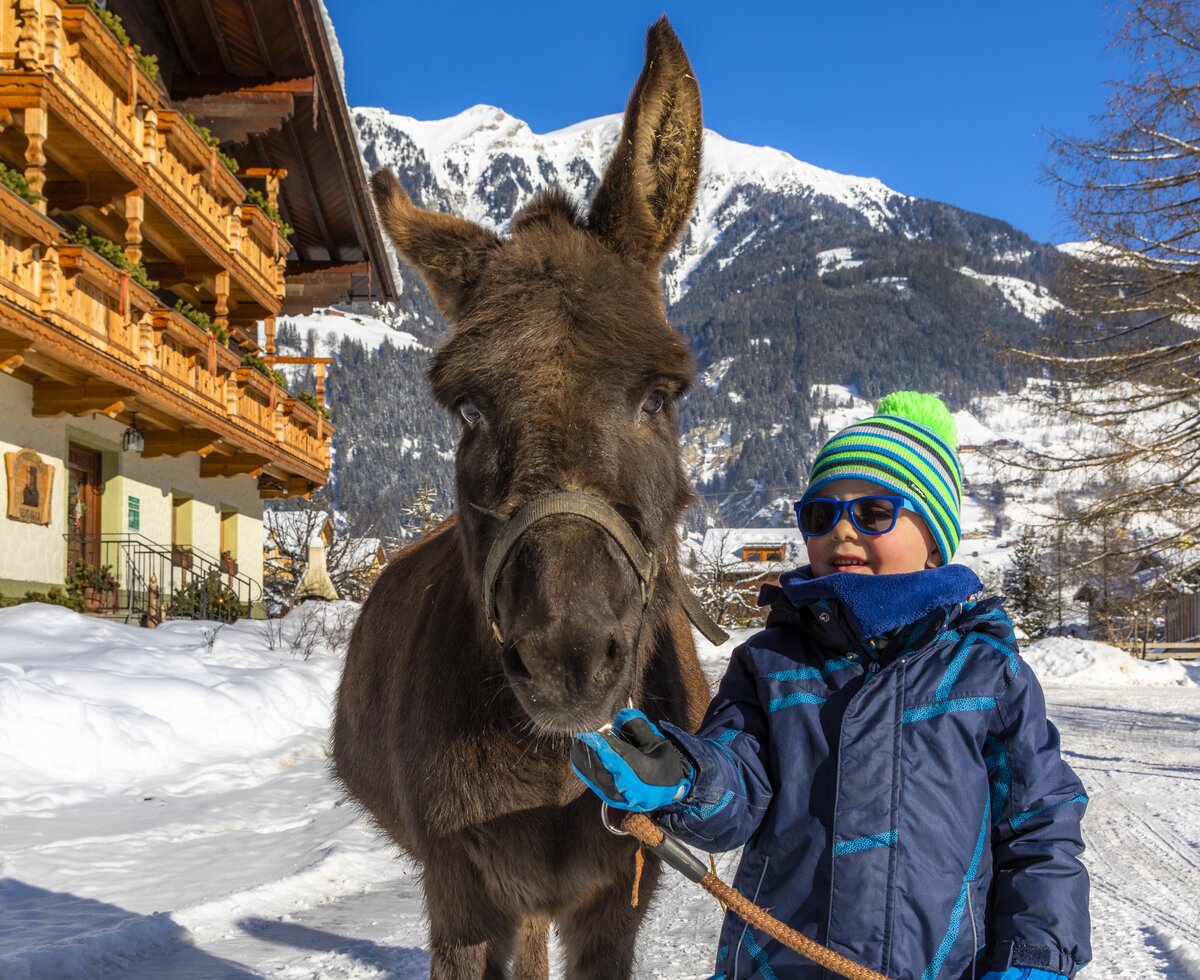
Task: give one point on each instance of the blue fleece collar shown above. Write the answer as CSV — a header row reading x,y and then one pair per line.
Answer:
x,y
878,604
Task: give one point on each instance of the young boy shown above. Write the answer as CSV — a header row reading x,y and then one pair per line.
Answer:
x,y
880,749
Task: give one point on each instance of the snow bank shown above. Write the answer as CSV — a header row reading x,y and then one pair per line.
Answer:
x,y
89,707
1056,660
1065,660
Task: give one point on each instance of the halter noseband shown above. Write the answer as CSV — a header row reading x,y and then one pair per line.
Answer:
x,y
576,504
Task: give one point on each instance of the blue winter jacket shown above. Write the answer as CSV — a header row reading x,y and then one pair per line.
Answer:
x,y
883,753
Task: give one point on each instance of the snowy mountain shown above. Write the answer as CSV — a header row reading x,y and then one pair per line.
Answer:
x,y
788,277
485,165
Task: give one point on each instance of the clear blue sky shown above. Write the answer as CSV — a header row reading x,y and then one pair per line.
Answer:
x,y
945,99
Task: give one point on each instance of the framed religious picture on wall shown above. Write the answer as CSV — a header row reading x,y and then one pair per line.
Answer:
x,y
29,485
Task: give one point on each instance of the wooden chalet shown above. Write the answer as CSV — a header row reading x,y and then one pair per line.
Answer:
x,y
742,560
141,273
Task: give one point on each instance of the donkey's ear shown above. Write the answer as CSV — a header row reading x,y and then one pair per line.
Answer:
x,y
449,252
649,188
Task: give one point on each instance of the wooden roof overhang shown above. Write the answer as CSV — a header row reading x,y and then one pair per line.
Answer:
x,y
261,75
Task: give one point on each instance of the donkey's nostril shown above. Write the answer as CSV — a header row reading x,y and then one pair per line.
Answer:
x,y
514,666
615,651
611,662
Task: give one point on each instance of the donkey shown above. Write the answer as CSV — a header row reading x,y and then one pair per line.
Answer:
x,y
472,664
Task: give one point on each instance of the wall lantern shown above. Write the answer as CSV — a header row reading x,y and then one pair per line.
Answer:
x,y
132,440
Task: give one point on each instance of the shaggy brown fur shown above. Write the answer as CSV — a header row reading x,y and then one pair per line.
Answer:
x,y
458,746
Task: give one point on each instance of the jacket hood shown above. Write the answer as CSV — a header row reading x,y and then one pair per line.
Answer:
x,y
877,604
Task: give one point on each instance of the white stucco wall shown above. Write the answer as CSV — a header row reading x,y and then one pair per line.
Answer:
x,y
34,556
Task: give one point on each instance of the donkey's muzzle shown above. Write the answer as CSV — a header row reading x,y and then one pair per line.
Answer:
x,y
568,678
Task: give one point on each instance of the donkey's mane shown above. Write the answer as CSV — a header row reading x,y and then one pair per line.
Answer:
x,y
550,205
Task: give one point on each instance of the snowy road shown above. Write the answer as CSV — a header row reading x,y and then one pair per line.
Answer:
x,y
1138,753
259,869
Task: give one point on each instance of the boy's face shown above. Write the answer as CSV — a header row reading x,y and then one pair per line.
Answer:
x,y
907,547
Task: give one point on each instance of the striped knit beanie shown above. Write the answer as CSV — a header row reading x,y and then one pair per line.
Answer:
x,y
908,446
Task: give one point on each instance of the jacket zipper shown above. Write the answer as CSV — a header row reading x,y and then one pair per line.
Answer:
x,y
872,670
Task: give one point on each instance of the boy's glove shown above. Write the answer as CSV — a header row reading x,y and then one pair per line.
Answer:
x,y
1022,973
633,766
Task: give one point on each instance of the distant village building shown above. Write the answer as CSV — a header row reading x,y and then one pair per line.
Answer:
x,y
160,205
305,558
732,563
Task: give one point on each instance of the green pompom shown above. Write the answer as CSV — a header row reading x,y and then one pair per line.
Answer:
x,y
927,410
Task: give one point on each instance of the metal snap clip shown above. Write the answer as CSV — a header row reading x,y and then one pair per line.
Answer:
x,y
616,831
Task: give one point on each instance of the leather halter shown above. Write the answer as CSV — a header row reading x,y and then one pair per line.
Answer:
x,y
576,504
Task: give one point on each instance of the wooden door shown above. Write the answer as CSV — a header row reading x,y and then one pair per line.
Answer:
x,y
83,498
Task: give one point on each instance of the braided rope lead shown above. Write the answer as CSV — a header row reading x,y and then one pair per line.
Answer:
x,y
642,828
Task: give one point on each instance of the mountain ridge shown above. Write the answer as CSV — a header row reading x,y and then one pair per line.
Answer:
x,y
787,277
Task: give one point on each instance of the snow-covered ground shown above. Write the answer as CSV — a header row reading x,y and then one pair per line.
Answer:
x,y
166,811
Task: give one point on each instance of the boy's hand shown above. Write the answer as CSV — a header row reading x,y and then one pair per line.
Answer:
x,y
1022,973
633,766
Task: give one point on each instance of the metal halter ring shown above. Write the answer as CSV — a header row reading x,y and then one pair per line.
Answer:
x,y
604,808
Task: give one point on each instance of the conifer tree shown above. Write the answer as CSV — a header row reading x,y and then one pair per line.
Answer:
x,y
1026,586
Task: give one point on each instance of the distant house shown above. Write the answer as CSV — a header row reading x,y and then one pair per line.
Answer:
x,y
737,561
295,543
289,540
1182,615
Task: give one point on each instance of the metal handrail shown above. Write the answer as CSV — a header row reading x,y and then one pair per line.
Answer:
x,y
202,590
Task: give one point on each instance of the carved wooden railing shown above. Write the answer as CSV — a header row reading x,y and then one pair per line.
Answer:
x,y
97,318
68,63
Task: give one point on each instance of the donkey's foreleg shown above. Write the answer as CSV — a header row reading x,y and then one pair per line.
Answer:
x,y
532,961
450,960
470,938
599,935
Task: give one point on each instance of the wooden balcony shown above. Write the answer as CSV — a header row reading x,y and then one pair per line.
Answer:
x,y
90,340
98,138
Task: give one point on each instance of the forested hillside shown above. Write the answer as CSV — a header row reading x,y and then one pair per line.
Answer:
x,y
787,277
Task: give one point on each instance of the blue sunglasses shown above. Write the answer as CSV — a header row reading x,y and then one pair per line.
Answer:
x,y
874,514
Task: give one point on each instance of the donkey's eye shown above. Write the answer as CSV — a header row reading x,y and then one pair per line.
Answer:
x,y
654,403
471,415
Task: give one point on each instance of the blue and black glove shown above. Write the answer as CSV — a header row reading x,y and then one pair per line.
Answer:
x,y
633,766
1022,973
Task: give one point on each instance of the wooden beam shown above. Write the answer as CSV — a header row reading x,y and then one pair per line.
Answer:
x,y
13,353
218,35
297,486
158,418
241,464
234,116
199,441
48,367
91,398
308,184
96,191
180,39
302,298
190,87
264,49
167,273
314,273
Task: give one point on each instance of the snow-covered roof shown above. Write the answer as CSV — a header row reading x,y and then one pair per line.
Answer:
x,y
728,545
292,526
360,552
